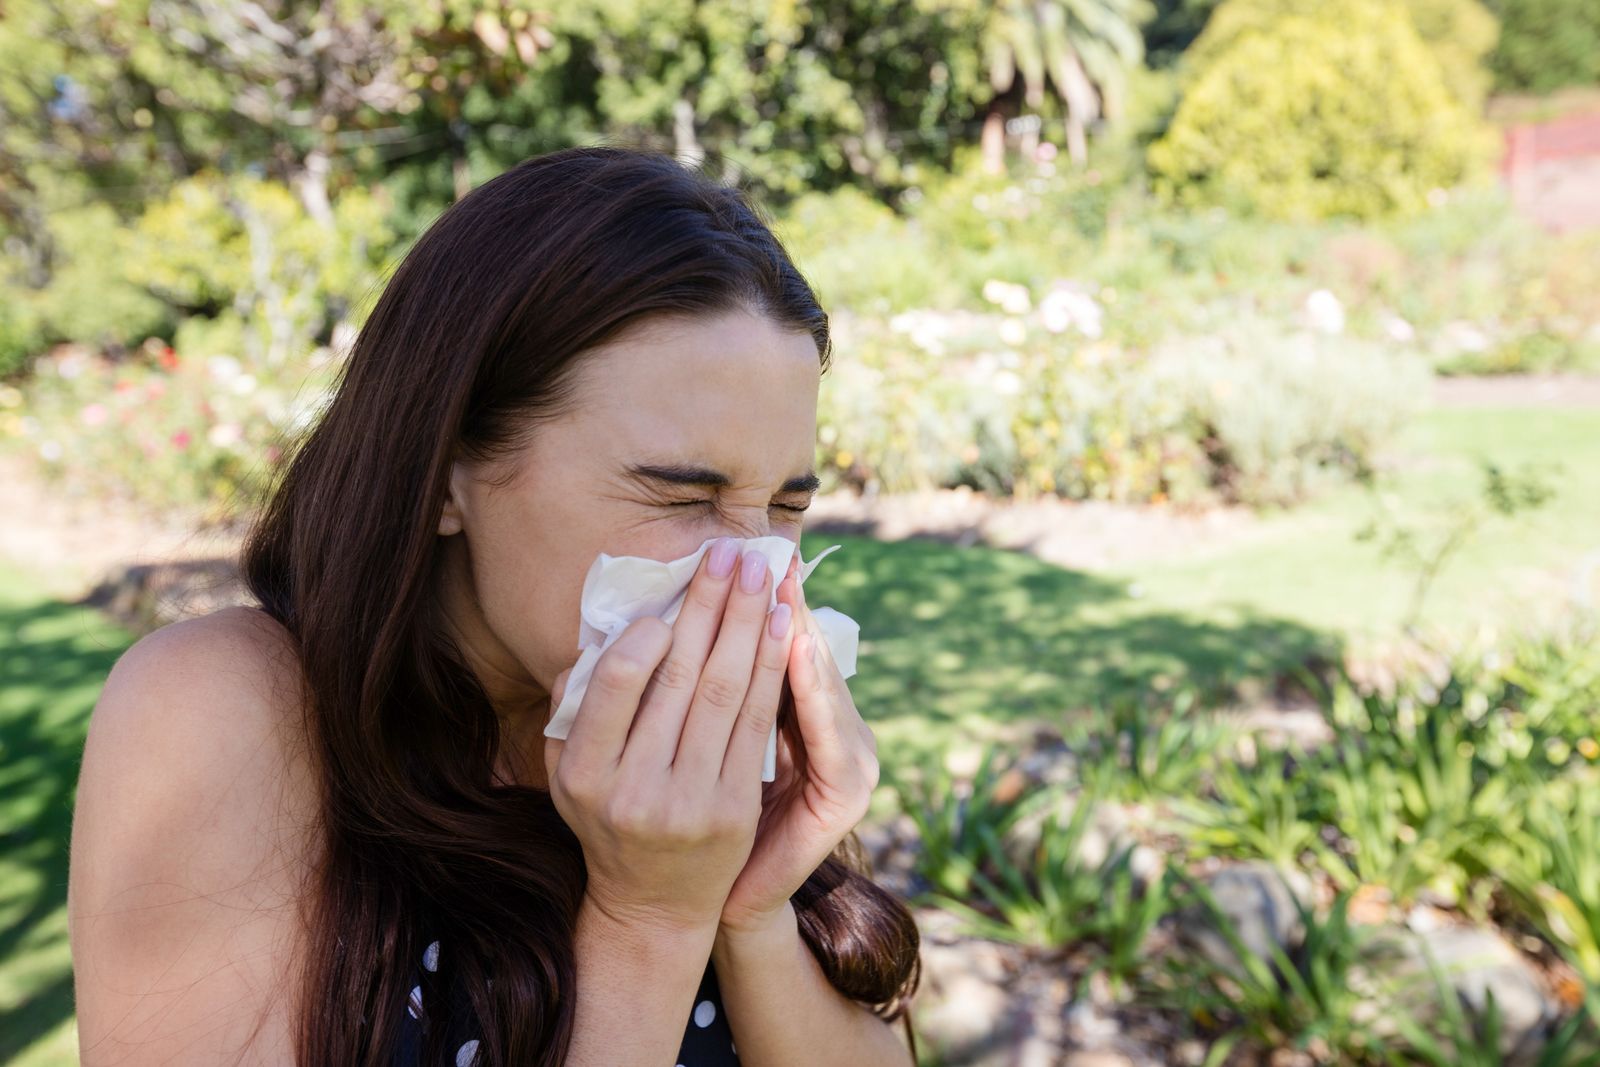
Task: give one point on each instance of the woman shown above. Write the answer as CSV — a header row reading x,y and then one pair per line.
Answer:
x,y
329,830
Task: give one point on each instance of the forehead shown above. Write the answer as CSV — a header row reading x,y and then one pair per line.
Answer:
x,y
735,389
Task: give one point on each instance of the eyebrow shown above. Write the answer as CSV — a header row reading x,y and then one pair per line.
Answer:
x,y
683,474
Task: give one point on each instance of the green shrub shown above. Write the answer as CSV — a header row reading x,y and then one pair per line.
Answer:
x,y
20,333
1280,410
1461,34
163,429
1304,109
1546,44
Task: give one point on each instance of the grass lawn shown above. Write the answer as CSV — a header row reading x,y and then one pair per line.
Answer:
x,y
1306,565
53,659
954,641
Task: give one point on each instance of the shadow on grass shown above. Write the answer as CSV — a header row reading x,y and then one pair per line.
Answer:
x,y
53,660
953,640
956,639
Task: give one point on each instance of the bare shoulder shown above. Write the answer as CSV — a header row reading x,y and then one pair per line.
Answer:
x,y
193,839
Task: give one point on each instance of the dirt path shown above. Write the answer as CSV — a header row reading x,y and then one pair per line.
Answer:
x,y
1518,391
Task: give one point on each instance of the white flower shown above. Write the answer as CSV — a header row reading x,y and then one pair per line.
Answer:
x,y
244,384
224,434
1065,305
1325,312
1011,297
223,368
1013,332
1398,329
1006,383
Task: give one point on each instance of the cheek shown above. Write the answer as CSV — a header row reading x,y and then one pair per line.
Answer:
x,y
528,589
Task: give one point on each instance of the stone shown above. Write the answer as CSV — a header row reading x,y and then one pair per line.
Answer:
x,y
1259,900
1478,962
963,1007
1096,1058
1108,832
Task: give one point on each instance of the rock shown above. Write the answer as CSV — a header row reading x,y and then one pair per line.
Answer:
x,y
963,1007
1478,962
1087,1024
1258,900
1096,1059
1109,831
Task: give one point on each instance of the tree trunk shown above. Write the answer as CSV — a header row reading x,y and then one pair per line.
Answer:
x,y
993,140
686,144
1083,104
312,183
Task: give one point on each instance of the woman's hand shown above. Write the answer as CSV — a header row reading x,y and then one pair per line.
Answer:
x,y
660,775
805,812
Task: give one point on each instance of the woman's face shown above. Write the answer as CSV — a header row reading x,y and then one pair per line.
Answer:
x,y
733,396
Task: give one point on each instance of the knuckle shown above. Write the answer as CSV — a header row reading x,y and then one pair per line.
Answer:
x,y
673,673
721,692
874,773
575,782
759,718
620,669
626,813
684,824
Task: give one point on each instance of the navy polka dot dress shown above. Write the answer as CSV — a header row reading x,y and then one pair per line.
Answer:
x,y
707,1040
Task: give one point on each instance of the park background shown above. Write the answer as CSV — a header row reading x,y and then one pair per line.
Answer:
x,y
1213,436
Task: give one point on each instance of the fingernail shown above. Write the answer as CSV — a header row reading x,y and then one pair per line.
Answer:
x,y
755,565
723,553
779,624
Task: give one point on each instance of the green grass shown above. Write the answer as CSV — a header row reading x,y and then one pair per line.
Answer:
x,y
956,641
1307,567
53,659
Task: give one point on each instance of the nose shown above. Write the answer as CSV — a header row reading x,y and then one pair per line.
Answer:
x,y
746,523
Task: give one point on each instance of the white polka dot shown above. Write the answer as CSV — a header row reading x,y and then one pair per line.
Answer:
x,y
467,1054
414,1005
430,957
704,1012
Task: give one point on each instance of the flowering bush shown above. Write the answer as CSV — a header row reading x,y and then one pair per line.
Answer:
x,y
1033,400
162,429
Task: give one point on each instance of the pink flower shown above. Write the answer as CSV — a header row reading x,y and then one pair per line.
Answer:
x,y
93,414
181,439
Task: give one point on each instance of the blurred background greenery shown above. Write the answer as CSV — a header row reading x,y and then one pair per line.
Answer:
x,y
1281,318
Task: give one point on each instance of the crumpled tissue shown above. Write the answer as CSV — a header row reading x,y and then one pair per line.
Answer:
x,y
619,589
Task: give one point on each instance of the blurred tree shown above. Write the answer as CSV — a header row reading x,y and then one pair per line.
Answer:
x,y
1315,108
792,96
1173,27
1461,34
1547,44
1083,48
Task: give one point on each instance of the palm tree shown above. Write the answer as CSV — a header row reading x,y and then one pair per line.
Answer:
x,y
1084,47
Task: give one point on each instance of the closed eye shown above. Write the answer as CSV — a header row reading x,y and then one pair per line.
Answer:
x,y
710,503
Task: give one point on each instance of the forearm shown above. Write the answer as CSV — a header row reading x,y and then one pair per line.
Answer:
x,y
779,1004
636,987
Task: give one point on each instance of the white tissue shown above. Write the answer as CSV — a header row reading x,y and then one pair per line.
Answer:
x,y
619,589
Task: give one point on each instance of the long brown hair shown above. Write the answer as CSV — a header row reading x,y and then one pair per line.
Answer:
x,y
471,343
